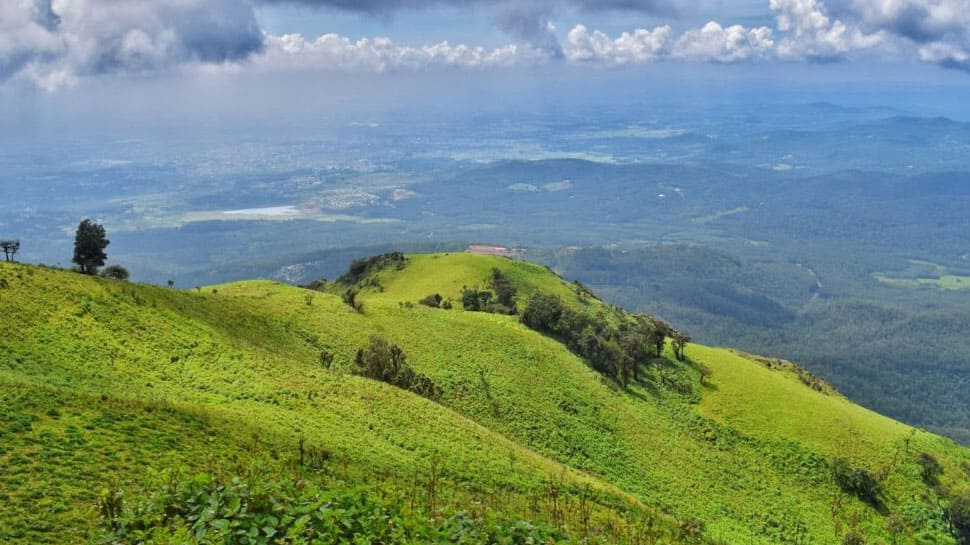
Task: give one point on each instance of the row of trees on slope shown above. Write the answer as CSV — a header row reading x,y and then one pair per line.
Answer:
x,y
616,350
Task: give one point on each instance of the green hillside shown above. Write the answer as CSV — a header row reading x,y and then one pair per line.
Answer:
x,y
115,388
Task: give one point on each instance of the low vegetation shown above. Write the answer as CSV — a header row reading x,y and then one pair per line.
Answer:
x,y
247,398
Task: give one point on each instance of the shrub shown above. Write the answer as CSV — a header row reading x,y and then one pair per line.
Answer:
x,y
958,514
386,362
504,292
115,272
205,510
930,468
349,298
360,268
858,481
433,301
853,537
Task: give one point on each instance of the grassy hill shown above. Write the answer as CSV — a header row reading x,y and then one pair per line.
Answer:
x,y
113,388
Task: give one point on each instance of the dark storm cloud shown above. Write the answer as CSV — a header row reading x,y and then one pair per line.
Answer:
x,y
51,43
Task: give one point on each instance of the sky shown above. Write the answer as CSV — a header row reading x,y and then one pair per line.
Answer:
x,y
100,53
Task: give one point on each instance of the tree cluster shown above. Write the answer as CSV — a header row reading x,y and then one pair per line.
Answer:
x,y
362,268
499,300
615,351
386,362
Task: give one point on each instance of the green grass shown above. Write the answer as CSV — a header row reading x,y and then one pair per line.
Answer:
x,y
746,452
924,274
943,282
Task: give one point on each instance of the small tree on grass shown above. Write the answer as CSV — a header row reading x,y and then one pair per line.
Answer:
x,y
115,272
9,248
680,341
89,244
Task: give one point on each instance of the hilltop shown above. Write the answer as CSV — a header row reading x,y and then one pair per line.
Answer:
x,y
119,390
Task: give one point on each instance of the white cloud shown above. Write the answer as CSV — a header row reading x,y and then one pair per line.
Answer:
x,y
939,30
735,43
332,52
812,34
635,47
51,43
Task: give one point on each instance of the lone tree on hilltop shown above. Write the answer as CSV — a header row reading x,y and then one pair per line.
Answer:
x,y
89,245
9,248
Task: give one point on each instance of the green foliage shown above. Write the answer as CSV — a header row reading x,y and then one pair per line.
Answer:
x,y
617,351
505,293
475,300
386,362
89,244
859,482
853,537
958,515
361,269
115,272
349,298
433,301
204,510
930,468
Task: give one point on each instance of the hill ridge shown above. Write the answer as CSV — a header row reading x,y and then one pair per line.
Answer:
x,y
744,450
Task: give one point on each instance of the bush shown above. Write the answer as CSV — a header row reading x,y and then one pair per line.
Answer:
x,y
433,301
204,510
859,482
361,268
350,299
386,362
853,537
475,300
931,468
504,292
958,514
115,272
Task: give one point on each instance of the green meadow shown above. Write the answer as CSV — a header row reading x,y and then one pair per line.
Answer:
x,y
117,398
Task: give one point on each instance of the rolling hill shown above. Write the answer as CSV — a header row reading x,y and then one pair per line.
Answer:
x,y
116,395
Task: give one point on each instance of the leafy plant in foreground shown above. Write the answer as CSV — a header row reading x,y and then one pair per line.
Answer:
x,y
203,510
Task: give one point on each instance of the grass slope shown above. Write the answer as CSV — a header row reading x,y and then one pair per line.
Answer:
x,y
746,450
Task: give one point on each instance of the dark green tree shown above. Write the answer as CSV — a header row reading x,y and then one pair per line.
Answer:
x,y
542,312
680,341
115,272
659,335
504,293
89,244
958,515
9,248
